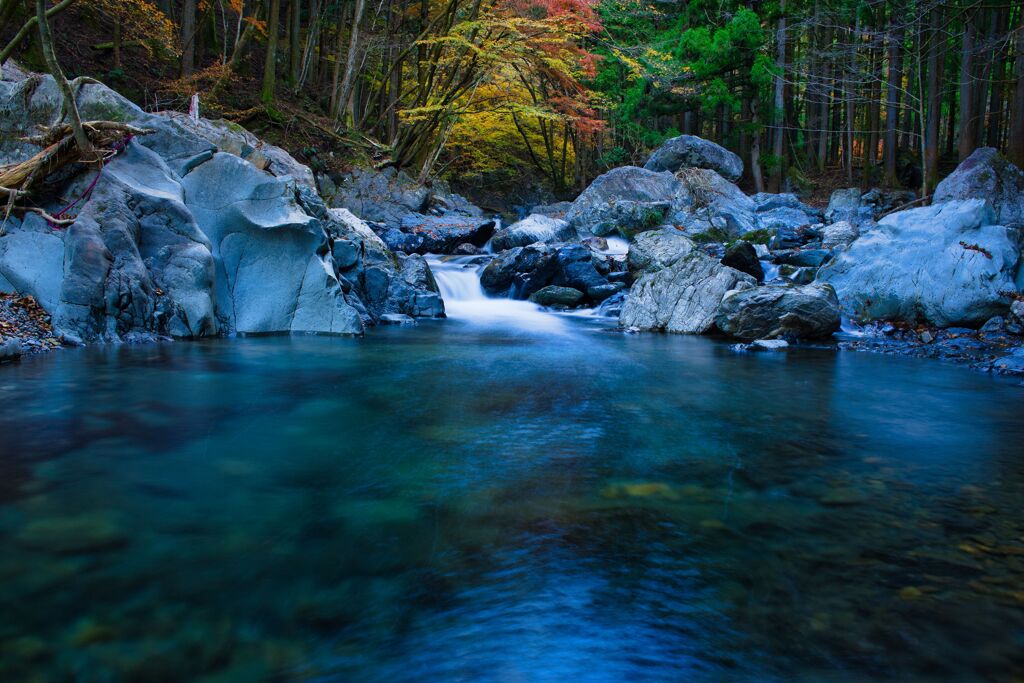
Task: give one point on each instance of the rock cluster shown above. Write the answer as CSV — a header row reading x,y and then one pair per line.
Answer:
x,y
179,237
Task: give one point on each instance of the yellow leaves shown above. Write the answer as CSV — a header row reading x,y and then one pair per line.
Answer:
x,y
141,21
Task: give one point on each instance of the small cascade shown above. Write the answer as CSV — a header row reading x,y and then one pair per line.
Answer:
x,y
771,271
458,279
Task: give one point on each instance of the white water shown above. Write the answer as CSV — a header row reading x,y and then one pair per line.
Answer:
x,y
617,246
771,271
458,279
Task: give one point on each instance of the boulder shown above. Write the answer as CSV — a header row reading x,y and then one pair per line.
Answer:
x,y
626,199
232,138
771,311
708,203
270,276
521,271
690,151
944,265
553,295
987,174
683,297
845,205
556,210
425,234
743,257
765,202
839,235
656,249
381,197
534,228
10,349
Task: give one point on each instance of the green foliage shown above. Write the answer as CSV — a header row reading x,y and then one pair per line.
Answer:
x,y
759,236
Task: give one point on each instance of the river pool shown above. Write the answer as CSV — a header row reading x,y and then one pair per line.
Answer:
x,y
466,501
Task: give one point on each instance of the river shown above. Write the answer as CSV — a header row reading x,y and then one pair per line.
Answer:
x,y
507,495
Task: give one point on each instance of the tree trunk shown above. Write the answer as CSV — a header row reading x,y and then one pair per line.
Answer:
x,y
70,106
270,64
1015,145
779,108
295,42
933,98
188,38
968,121
892,106
345,100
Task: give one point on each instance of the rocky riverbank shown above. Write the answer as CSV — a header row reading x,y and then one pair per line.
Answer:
x,y
199,229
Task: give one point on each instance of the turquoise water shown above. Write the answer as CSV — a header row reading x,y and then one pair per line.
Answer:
x,y
459,503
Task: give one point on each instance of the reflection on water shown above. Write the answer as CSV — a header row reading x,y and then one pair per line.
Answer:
x,y
452,502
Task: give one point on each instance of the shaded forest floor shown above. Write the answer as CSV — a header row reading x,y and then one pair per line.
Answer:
x,y
295,122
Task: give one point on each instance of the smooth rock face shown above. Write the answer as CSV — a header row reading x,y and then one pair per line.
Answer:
x,y
270,276
944,264
690,151
534,228
683,297
709,202
656,249
771,311
986,174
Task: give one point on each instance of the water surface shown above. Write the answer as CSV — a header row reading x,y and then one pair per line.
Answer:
x,y
463,501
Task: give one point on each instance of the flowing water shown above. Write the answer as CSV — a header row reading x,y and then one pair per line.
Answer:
x,y
487,499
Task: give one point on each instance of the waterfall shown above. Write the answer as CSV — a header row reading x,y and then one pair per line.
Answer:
x,y
771,271
458,279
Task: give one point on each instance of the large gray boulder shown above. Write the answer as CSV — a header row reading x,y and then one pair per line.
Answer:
x,y
626,199
987,174
710,204
270,275
771,311
682,298
690,151
945,265
534,228
656,249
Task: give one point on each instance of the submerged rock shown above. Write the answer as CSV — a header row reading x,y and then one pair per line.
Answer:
x,y
690,151
683,297
772,311
945,264
81,533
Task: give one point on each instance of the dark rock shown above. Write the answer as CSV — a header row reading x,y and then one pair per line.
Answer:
x,y
422,234
772,311
10,349
804,258
553,295
743,257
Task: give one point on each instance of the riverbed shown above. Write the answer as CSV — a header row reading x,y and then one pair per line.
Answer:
x,y
483,498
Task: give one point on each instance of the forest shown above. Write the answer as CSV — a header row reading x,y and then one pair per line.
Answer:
x,y
552,93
